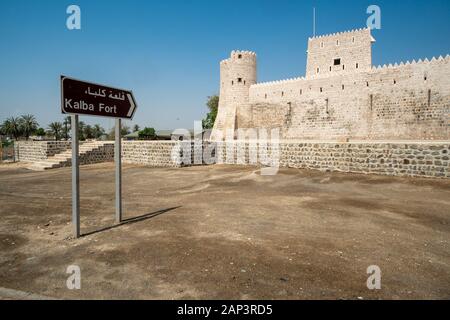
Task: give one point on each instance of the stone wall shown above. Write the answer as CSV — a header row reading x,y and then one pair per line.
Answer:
x,y
39,150
417,159
99,154
402,102
166,153
151,153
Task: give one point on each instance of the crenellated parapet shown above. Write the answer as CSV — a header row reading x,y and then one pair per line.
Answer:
x,y
278,82
419,62
339,34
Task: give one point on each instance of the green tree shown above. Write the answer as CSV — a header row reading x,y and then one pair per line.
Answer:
x,y
213,107
40,132
136,128
55,128
28,125
147,134
98,131
88,132
12,127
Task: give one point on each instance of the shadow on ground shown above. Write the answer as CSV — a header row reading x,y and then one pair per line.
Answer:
x,y
131,221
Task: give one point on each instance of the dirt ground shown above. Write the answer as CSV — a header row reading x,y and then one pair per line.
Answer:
x,y
225,232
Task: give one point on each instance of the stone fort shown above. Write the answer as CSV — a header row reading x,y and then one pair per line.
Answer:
x,y
342,97
344,115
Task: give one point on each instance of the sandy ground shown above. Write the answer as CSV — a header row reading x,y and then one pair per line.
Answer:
x,y
225,232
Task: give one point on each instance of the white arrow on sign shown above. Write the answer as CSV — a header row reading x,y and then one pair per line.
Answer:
x,y
130,98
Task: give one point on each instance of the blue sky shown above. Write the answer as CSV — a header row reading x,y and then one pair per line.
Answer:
x,y
168,52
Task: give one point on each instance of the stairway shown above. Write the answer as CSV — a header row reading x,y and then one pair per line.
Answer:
x,y
87,152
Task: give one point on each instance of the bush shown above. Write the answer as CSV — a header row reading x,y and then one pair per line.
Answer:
x,y
6,144
40,132
147,134
213,106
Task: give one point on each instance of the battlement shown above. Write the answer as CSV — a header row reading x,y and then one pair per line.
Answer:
x,y
237,55
354,31
270,83
413,62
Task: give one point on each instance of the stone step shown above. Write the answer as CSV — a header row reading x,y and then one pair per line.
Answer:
x,y
64,158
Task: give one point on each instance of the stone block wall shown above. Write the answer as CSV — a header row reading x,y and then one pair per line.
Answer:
x,y
414,159
151,153
39,150
100,154
417,159
401,102
167,153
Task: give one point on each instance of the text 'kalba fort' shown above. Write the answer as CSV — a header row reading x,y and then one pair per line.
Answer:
x,y
341,97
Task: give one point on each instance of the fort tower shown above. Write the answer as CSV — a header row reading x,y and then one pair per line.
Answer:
x,y
339,53
237,74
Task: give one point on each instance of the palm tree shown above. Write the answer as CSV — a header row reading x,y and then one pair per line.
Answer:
x,y
28,125
67,126
55,128
12,127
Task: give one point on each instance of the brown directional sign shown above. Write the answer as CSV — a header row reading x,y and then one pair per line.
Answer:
x,y
79,97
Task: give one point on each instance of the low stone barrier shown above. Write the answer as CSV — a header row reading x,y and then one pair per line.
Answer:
x,y
165,153
415,159
38,150
151,153
424,159
99,154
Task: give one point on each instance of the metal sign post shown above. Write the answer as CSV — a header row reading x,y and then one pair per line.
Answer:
x,y
75,178
80,97
118,161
